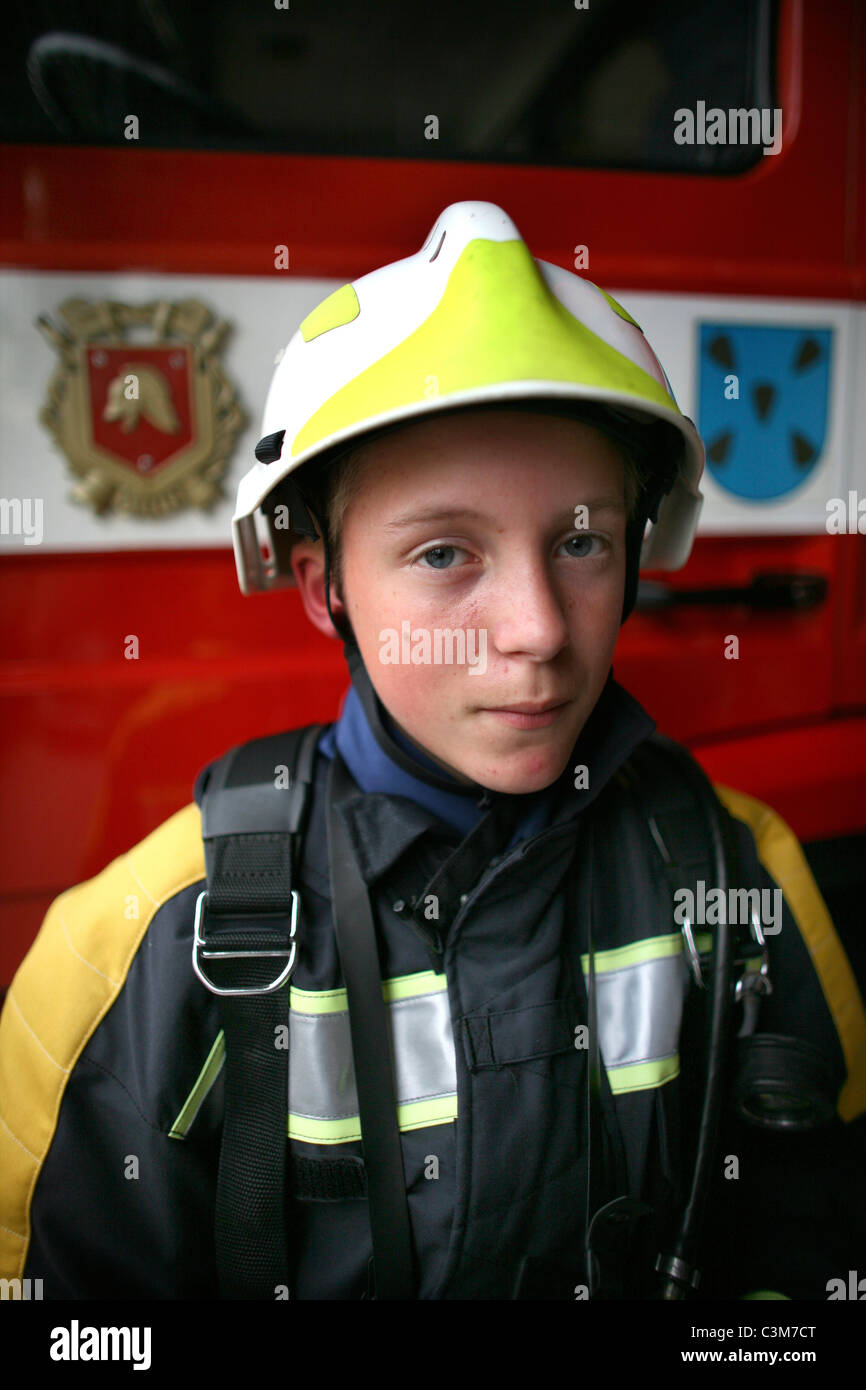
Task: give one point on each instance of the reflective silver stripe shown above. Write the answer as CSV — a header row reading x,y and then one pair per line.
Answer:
x,y
640,993
322,1092
640,987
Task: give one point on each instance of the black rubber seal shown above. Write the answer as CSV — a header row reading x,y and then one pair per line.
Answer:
x,y
783,1084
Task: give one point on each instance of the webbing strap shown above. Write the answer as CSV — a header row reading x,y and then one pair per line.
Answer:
x,y
250,1204
594,1115
248,819
610,1220
393,1261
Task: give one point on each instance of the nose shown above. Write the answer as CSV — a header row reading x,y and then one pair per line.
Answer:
x,y
525,612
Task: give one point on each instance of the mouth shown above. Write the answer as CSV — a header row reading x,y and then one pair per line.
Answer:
x,y
527,708
528,716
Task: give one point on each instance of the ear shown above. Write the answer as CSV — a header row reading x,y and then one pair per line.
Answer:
x,y
308,567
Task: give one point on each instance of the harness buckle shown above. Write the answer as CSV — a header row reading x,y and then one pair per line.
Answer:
x,y
752,985
200,942
757,982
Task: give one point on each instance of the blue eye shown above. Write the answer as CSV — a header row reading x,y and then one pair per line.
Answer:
x,y
441,557
438,550
584,541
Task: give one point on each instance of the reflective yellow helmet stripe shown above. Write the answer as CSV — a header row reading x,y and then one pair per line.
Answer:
x,y
340,307
496,323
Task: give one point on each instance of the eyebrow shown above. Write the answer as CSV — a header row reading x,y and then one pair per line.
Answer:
x,y
429,514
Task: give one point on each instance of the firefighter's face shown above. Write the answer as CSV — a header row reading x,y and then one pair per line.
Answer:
x,y
484,568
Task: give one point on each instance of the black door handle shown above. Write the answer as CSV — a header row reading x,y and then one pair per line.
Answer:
x,y
766,593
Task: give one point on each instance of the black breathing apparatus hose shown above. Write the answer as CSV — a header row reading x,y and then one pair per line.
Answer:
x,y
678,1269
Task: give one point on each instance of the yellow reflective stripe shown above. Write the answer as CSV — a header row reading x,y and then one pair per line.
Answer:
x,y
318,1001
496,322
651,948
643,1076
781,855
640,996
340,307
324,1131
617,307
411,986
205,1079
335,1001
414,1115
418,1114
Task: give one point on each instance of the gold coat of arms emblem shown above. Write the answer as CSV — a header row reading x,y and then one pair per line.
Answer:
x,y
140,405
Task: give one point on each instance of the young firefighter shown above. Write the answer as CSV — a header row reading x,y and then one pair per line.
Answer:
x,y
494,1036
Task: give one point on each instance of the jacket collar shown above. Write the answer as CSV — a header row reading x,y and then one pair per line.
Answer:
x,y
369,756
392,810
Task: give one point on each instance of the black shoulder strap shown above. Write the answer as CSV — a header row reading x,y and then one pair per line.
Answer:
x,y
393,1255
254,806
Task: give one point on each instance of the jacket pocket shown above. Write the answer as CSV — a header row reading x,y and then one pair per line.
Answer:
x,y
518,1035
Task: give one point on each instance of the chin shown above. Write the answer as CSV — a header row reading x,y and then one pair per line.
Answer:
x,y
520,786
521,774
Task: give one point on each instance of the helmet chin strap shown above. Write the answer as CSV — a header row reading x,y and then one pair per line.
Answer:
x,y
379,721
634,533
377,715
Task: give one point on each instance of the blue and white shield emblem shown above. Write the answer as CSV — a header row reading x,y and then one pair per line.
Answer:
x,y
762,405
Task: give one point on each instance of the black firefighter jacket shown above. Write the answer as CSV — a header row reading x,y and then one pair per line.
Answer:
x,y
111,1082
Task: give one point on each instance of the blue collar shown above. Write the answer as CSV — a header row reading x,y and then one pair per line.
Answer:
x,y
374,771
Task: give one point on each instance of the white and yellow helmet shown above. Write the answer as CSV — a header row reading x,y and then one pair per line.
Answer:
x,y
470,319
